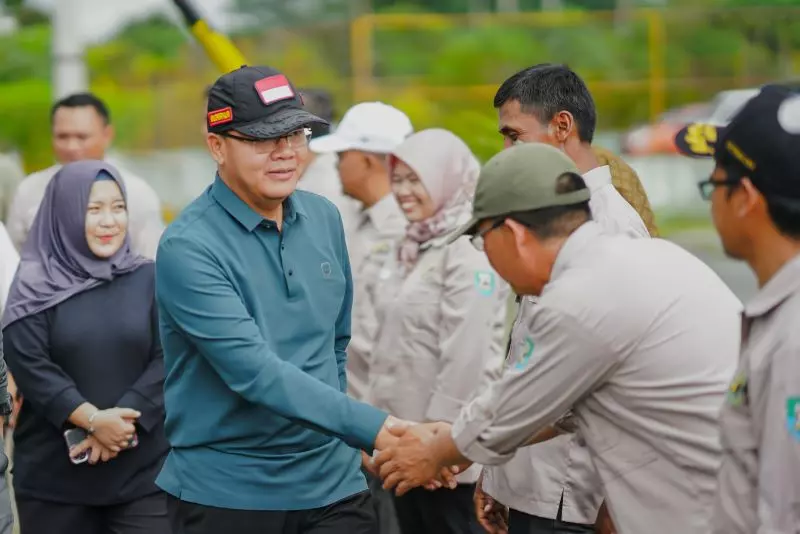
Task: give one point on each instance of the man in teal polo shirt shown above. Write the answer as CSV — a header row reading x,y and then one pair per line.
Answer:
x,y
254,294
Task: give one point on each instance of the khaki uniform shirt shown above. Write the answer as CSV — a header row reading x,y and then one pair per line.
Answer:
x,y
759,481
538,477
441,334
640,339
322,177
144,210
11,175
372,245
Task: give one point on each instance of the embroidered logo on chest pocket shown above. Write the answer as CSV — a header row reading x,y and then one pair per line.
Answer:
x,y
484,283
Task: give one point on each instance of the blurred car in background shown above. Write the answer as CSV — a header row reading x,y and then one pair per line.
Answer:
x,y
659,137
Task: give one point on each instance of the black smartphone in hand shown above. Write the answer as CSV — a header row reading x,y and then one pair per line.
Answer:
x,y
74,437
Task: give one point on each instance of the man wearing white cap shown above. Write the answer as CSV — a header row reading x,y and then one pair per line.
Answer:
x,y
367,133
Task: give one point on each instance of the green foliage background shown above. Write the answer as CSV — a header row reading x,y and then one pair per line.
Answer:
x,y
153,76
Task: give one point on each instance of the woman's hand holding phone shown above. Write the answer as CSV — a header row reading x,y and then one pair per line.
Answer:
x,y
97,452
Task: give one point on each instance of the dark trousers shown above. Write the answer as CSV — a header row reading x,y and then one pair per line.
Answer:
x,y
144,516
443,511
521,523
354,515
384,506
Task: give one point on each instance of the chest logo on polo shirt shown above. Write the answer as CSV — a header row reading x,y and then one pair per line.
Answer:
x,y
793,417
737,391
325,267
484,282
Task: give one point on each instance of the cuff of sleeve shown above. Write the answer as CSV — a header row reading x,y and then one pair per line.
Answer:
x,y
443,408
151,414
466,437
63,405
365,423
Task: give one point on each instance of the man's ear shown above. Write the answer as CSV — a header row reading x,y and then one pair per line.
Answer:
x,y
562,125
747,199
109,134
521,234
214,143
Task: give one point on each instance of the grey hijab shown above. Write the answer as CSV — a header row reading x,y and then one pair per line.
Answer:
x,y
56,262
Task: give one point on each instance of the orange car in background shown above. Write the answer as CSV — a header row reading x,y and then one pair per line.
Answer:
x,y
659,137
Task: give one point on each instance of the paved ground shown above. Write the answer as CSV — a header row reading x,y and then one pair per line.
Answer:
x,y
705,245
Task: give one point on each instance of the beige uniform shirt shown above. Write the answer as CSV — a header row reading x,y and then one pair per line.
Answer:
x,y
535,480
371,248
9,262
441,333
11,176
759,481
640,339
144,210
322,177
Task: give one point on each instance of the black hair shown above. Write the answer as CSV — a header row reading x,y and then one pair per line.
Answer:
x,y
320,103
80,100
785,215
784,212
557,221
546,89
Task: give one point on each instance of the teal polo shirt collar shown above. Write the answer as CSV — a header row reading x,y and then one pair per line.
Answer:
x,y
244,214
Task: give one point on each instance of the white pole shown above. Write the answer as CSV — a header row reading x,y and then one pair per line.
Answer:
x,y
69,65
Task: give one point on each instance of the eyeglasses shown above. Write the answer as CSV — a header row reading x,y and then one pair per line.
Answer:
x,y
296,139
478,240
707,187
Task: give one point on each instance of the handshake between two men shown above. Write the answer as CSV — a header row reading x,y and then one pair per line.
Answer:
x,y
410,455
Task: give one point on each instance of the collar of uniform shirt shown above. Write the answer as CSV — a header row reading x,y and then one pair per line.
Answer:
x,y
785,282
597,178
573,245
383,213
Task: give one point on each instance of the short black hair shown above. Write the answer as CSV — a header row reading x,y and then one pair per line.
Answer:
x,y
80,100
320,103
557,221
545,89
785,216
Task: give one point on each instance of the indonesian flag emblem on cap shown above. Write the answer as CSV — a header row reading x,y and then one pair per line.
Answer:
x,y
274,89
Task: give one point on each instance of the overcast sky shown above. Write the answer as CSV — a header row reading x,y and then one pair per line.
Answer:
x,y
102,18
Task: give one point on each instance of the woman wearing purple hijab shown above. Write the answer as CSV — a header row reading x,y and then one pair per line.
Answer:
x,y
80,334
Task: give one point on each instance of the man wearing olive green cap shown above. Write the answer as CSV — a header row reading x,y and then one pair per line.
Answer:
x,y
635,337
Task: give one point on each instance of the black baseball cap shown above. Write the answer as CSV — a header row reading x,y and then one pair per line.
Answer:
x,y
762,142
258,102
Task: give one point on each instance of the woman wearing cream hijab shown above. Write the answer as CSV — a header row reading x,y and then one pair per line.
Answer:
x,y
442,313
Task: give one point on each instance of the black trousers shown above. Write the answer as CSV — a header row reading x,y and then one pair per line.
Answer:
x,y
383,502
354,515
522,523
144,516
443,511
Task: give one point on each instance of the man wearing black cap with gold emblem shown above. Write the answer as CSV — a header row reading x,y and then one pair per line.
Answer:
x,y
755,204
254,294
